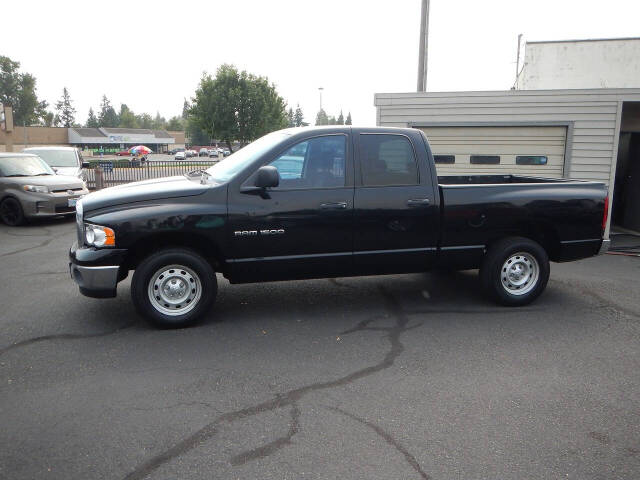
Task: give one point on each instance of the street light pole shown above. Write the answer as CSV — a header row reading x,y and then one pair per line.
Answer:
x,y
423,51
320,90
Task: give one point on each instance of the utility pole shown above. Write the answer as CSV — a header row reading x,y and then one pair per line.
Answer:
x,y
320,90
423,51
515,84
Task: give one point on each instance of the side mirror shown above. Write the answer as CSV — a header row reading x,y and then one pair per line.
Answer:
x,y
86,165
268,177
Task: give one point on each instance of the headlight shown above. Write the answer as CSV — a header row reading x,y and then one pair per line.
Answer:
x,y
97,236
35,188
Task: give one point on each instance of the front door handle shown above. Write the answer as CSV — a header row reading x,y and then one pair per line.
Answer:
x,y
333,206
417,202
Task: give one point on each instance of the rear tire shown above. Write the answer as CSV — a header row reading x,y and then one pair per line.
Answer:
x,y
11,212
173,288
515,271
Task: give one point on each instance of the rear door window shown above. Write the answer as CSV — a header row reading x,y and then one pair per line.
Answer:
x,y
387,160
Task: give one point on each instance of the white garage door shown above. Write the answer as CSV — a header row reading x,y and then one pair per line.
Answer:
x,y
498,150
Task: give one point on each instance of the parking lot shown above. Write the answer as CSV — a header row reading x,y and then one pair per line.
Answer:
x,y
406,376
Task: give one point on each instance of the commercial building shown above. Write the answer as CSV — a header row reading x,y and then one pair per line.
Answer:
x,y
589,133
93,140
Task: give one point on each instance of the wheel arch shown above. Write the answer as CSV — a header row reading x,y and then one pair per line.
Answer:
x,y
150,244
543,234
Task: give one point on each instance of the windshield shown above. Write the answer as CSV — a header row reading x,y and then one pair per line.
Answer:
x,y
24,166
57,158
227,168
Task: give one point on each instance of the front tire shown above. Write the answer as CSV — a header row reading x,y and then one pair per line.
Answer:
x,y
515,271
173,288
11,212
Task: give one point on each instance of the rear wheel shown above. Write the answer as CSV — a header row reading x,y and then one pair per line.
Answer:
x,y
515,271
173,288
11,212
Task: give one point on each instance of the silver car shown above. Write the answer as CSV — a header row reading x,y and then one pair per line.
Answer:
x,y
63,160
30,188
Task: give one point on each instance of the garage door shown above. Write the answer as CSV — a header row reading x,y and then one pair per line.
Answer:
x,y
498,150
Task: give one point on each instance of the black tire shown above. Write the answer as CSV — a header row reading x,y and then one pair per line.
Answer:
x,y
191,270
11,212
515,259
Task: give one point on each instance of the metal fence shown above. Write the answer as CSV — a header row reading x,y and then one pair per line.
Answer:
x,y
117,172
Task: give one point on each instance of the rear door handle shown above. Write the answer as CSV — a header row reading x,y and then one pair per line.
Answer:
x,y
333,206
418,202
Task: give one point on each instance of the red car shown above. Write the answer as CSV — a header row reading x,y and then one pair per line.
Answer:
x,y
123,153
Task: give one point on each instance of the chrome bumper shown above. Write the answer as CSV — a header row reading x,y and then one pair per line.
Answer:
x,y
97,282
604,248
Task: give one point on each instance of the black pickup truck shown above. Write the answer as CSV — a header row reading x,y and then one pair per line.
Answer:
x,y
328,202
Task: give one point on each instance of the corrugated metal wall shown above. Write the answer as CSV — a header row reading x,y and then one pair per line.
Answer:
x,y
592,118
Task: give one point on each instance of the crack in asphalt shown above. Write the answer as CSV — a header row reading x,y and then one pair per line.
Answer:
x,y
411,460
271,447
63,336
287,399
39,245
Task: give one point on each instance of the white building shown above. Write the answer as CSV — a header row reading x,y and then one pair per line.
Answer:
x,y
562,132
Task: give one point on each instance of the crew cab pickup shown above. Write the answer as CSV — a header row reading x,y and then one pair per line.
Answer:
x,y
328,202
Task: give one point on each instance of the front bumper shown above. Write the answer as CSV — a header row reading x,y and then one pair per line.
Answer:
x,y
96,271
48,204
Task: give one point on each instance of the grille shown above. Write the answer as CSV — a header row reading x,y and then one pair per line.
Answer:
x,y
64,190
64,209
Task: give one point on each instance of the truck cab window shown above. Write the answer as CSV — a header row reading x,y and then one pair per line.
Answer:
x,y
314,163
387,160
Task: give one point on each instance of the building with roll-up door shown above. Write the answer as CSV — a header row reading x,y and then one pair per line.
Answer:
x,y
587,133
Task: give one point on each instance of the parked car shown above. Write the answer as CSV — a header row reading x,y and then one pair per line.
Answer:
x,y
175,150
30,188
63,160
226,152
180,155
213,153
244,219
191,153
203,152
123,153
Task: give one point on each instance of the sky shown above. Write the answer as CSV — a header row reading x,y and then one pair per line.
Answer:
x,y
152,54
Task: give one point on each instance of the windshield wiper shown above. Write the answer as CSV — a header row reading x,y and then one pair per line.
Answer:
x,y
38,174
198,172
17,175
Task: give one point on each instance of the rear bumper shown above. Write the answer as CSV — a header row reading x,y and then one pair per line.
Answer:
x,y
96,271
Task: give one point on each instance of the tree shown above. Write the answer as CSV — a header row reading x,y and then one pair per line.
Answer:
x,y
50,119
65,109
159,123
126,117
197,135
340,120
348,120
321,118
237,105
175,124
19,91
290,118
298,117
145,120
107,116
92,120
185,109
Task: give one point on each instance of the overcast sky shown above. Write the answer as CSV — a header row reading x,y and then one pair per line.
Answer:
x,y
150,55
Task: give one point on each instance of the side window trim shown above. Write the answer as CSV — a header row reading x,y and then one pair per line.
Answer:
x,y
360,182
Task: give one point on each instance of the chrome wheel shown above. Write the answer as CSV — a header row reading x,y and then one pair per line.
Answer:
x,y
174,290
520,273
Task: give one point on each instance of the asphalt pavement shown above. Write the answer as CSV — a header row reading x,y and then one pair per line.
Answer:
x,y
395,377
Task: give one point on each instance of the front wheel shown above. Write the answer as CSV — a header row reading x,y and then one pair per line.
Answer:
x,y
173,288
11,212
515,271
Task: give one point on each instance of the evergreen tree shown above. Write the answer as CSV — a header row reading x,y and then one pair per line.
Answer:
x,y
48,119
185,109
340,119
107,116
348,120
298,117
332,120
290,118
65,109
159,123
92,120
321,118
175,124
